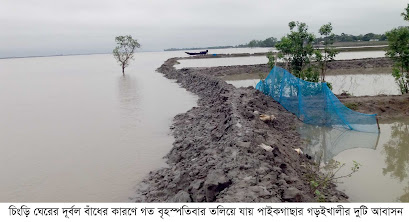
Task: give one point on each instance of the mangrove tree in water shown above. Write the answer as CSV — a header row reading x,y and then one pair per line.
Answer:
x,y
124,50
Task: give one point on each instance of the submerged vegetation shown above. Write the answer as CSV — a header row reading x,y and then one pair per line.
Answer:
x,y
322,176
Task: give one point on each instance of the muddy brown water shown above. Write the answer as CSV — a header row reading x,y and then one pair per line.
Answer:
x,y
354,84
383,176
74,129
384,158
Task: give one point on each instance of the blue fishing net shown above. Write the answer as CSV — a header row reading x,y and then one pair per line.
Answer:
x,y
314,103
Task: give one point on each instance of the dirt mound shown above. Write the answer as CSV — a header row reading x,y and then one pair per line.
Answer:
x,y
352,66
216,154
360,63
360,66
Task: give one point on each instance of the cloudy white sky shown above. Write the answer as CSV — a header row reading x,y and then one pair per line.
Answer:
x,y
46,27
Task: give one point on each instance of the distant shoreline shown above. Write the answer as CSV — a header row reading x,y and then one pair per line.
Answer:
x,y
75,54
39,56
342,46
337,44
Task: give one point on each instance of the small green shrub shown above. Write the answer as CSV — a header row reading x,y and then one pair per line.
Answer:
x,y
329,85
352,106
346,93
271,59
321,176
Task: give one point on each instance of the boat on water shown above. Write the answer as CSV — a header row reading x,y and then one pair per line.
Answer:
x,y
198,53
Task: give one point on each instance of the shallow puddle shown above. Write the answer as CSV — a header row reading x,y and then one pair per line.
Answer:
x,y
364,84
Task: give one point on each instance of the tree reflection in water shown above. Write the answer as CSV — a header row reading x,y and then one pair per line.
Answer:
x,y
405,197
397,154
394,148
129,101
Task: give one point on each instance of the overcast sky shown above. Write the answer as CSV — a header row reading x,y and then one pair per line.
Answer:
x,y
46,27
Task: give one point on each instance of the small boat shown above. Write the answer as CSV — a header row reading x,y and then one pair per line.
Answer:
x,y
197,53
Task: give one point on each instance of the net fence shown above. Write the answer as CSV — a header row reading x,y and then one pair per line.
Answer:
x,y
314,103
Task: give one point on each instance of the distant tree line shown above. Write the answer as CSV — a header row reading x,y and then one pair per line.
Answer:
x,y
268,42
355,38
272,41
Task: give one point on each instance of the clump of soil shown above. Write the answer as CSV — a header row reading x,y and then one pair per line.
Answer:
x,y
216,154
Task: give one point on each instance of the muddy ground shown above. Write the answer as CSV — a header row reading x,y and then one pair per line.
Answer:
x,y
352,66
387,107
216,155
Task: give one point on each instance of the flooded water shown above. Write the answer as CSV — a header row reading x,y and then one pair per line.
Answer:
x,y
74,129
237,50
230,61
355,84
360,55
364,84
384,158
252,60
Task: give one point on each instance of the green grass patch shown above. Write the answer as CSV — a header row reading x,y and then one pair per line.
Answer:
x,y
352,106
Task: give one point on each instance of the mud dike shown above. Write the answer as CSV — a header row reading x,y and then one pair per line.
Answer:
x,y
216,156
